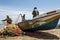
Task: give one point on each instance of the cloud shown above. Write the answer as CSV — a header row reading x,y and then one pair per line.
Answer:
x,y
14,12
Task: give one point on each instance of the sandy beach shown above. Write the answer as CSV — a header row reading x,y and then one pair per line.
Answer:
x,y
53,34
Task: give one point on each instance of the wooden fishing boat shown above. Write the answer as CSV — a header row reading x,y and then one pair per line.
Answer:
x,y
45,21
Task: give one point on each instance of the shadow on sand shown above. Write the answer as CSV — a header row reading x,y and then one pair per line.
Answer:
x,y
42,35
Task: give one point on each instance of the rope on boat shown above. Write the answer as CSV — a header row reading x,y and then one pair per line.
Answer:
x,y
17,18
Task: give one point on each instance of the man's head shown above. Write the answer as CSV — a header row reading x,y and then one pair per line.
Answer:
x,y
35,7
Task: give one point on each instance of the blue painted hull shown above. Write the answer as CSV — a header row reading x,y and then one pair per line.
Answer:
x,y
50,25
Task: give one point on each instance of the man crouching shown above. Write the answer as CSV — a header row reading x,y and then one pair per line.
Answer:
x,y
10,29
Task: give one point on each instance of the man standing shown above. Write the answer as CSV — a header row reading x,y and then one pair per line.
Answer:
x,y
23,17
35,12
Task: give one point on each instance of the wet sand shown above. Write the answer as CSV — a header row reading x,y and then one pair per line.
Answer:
x,y
41,35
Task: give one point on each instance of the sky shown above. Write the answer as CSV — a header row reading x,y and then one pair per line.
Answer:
x,y
14,7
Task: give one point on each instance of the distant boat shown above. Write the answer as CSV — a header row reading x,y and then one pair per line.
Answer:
x,y
45,21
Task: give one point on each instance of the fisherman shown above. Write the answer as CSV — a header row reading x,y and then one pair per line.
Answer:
x,y
23,17
6,20
35,12
10,28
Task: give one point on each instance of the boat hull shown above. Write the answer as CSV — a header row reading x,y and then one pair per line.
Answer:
x,y
48,26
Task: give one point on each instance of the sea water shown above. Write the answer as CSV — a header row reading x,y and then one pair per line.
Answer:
x,y
1,25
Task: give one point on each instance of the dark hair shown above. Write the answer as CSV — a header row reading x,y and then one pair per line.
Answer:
x,y
35,7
